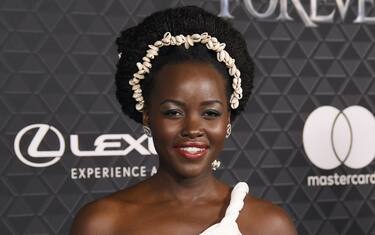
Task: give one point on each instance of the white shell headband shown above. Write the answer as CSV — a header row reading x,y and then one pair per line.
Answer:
x,y
211,43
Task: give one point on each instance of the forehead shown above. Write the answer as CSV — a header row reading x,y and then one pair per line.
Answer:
x,y
190,81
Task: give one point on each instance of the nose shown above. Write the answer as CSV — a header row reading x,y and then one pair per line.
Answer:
x,y
192,127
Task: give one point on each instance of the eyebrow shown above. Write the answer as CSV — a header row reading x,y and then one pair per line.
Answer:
x,y
172,101
208,102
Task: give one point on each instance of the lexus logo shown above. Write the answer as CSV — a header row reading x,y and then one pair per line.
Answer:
x,y
104,145
332,137
33,151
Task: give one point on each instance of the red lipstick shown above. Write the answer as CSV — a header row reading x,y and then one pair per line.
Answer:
x,y
192,150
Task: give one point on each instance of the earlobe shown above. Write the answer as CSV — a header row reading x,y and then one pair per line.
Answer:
x,y
229,127
145,117
146,123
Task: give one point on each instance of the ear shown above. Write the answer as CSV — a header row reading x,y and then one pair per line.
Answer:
x,y
229,116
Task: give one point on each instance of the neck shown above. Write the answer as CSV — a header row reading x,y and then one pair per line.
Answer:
x,y
172,187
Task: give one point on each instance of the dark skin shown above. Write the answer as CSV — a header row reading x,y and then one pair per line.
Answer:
x,y
188,104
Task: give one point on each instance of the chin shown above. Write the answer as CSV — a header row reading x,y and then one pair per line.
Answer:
x,y
191,171
186,168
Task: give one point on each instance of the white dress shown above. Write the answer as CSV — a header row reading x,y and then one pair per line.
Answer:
x,y
228,225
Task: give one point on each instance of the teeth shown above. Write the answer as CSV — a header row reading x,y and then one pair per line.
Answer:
x,y
192,149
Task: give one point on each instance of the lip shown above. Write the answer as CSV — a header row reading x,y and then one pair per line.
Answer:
x,y
183,152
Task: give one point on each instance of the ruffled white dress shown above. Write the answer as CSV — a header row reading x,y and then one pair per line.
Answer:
x,y
228,225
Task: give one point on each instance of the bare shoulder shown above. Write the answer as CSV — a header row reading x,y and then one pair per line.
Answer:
x,y
103,216
265,218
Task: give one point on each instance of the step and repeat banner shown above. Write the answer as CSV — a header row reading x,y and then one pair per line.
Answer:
x,y
306,140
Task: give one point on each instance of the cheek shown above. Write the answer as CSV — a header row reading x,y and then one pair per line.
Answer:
x,y
218,128
164,130
217,132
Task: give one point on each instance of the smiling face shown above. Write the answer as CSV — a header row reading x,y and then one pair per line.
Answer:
x,y
188,115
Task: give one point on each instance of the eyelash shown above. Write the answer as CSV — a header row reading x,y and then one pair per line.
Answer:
x,y
172,113
212,113
208,114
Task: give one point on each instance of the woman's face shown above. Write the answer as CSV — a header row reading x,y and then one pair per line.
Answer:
x,y
188,115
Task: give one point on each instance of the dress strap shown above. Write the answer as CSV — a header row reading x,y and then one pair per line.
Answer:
x,y
228,225
236,202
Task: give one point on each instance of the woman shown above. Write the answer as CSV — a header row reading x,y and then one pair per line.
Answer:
x,y
185,75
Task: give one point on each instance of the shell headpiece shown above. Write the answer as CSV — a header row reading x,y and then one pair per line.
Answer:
x,y
168,40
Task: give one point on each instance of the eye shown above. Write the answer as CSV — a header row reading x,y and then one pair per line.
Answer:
x,y
173,113
211,114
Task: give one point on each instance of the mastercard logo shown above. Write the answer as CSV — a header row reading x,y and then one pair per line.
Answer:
x,y
332,137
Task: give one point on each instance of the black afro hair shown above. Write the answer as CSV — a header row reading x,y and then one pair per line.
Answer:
x,y
133,44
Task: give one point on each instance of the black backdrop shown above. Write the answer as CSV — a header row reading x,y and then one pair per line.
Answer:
x,y
57,65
